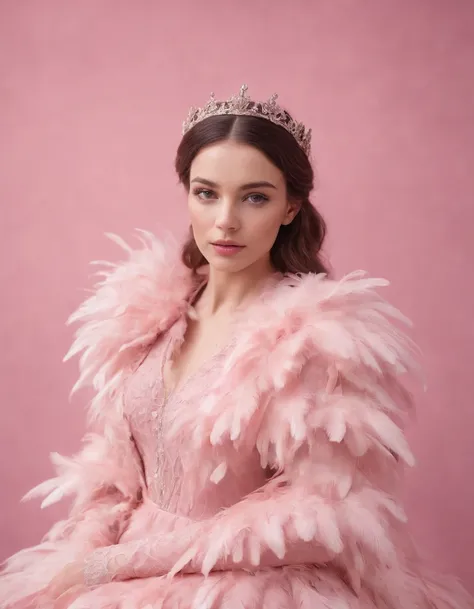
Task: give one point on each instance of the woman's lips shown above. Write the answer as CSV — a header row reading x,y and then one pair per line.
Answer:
x,y
227,250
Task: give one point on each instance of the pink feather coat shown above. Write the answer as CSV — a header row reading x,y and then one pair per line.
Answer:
x,y
311,389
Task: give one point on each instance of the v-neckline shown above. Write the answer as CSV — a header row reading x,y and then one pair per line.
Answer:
x,y
170,392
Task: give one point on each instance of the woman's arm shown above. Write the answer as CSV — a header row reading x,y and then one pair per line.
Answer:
x,y
248,535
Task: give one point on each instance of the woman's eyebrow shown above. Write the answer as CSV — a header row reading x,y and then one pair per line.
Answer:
x,y
260,184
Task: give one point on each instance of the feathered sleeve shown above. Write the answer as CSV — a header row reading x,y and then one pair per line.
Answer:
x,y
104,479
105,485
331,429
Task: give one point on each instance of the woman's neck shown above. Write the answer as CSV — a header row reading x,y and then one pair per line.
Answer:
x,y
226,292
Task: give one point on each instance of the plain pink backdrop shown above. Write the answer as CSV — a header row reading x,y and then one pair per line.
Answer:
x,y
93,94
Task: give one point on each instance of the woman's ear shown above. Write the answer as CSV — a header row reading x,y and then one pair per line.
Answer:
x,y
292,208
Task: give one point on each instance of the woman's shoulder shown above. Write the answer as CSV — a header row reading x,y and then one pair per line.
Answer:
x,y
134,301
320,329
331,315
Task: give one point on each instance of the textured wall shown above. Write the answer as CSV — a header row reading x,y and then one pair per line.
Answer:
x,y
92,98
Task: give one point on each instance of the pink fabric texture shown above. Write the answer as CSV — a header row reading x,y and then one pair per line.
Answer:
x,y
269,479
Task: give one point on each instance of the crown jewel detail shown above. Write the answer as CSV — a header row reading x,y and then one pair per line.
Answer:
x,y
243,105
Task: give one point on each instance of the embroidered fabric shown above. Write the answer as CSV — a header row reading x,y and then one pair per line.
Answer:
x,y
97,569
150,413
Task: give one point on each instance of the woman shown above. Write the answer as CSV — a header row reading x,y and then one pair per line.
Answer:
x,y
247,438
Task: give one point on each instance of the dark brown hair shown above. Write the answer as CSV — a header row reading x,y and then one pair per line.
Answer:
x,y
297,248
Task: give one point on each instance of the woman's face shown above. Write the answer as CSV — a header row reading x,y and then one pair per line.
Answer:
x,y
237,203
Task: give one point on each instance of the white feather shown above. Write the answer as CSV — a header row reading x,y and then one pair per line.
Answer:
x,y
219,473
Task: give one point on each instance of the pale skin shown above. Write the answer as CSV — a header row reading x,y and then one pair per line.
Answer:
x,y
236,194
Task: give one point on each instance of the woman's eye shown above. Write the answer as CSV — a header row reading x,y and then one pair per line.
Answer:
x,y
257,198
202,193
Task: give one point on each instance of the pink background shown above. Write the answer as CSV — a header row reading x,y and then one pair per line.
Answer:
x,y
92,98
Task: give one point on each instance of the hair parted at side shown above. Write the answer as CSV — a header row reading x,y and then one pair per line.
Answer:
x,y
298,245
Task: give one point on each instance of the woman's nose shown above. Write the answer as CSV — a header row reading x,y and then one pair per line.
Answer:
x,y
227,218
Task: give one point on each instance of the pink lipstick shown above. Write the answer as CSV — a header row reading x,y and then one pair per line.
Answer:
x,y
227,248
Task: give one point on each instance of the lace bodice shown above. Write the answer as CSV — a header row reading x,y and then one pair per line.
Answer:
x,y
150,413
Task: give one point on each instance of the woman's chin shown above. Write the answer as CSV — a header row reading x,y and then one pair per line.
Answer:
x,y
226,265
230,264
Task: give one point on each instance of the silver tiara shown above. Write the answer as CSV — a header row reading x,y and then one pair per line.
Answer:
x,y
242,105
